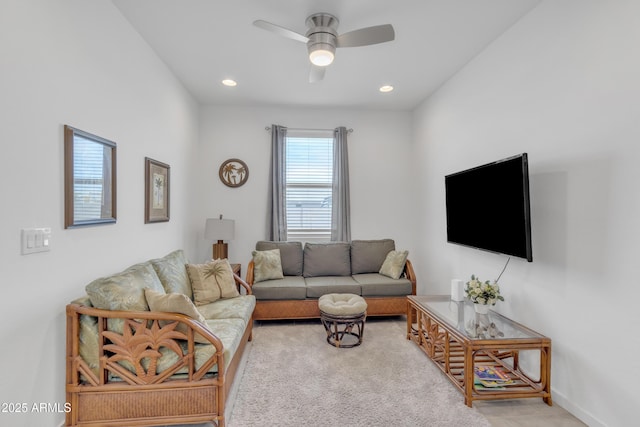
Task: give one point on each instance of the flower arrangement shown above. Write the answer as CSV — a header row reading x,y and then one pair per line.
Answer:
x,y
483,293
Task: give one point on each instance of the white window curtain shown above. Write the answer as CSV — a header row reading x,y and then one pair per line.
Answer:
x,y
309,186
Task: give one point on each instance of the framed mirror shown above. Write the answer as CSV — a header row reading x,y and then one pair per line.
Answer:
x,y
89,179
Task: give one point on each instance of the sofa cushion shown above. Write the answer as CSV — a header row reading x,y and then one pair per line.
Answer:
x,y
212,281
290,255
240,307
125,290
230,332
393,265
290,287
172,271
367,256
318,286
375,284
175,303
327,259
266,265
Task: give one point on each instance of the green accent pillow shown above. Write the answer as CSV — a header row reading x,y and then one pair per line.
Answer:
x,y
393,265
173,274
176,303
267,265
125,290
212,281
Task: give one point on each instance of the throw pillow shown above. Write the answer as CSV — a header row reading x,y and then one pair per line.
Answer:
x,y
267,265
393,265
212,281
224,277
173,274
125,290
175,303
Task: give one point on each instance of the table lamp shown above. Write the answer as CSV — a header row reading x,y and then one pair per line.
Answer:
x,y
219,229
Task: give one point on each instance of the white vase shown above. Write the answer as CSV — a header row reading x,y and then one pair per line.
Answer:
x,y
481,308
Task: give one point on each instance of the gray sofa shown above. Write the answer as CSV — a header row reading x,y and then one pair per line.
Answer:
x,y
129,364
321,268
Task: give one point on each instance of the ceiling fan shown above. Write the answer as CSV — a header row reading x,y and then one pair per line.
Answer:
x,y
322,39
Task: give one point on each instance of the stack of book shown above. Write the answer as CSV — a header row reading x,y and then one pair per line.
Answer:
x,y
490,377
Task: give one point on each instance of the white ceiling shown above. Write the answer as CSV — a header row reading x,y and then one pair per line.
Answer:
x,y
205,41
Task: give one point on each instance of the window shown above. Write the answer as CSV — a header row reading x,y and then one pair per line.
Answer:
x,y
308,176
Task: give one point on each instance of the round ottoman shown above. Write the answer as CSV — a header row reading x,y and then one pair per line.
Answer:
x,y
343,315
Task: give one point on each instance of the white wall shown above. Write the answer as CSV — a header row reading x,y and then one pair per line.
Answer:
x,y
381,203
78,63
563,85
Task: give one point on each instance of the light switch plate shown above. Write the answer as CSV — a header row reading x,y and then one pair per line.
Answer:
x,y
35,240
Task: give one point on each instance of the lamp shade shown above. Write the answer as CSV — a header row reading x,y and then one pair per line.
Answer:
x,y
219,229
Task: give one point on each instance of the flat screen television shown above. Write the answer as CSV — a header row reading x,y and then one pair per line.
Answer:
x,y
488,207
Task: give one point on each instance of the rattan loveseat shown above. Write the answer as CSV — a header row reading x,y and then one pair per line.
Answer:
x,y
130,366
316,269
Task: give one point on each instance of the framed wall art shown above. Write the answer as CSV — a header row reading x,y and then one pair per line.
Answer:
x,y
89,179
233,172
156,191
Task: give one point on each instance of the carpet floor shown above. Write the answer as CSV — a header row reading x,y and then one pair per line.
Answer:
x,y
293,377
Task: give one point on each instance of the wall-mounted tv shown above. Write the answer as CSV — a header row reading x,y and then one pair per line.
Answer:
x,y
488,207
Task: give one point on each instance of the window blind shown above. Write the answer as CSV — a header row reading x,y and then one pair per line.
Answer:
x,y
309,175
88,179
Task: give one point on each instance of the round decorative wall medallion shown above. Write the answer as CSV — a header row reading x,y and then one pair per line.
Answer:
x,y
233,172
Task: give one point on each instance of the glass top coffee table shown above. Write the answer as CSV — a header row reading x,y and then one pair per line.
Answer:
x,y
486,356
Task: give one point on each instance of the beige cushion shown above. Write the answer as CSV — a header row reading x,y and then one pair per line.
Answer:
x,y
342,304
175,303
267,265
393,265
212,281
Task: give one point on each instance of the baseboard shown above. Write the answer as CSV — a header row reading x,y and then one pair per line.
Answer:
x,y
576,410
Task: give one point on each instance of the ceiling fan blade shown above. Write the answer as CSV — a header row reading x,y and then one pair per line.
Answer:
x,y
367,36
285,32
316,74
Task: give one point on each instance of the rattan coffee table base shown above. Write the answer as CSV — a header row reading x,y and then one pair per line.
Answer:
x,y
339,326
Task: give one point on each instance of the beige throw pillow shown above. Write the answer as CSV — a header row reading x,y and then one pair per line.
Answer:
x,y
393,265
176,303
267,265
212,281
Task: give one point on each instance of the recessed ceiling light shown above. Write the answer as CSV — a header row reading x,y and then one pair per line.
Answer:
x,y
229,82
386,88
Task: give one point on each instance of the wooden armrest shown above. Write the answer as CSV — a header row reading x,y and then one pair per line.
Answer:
x,y
242,283
411,275
165,317
250,268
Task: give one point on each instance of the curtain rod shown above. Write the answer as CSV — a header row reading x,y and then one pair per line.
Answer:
x,y
268,129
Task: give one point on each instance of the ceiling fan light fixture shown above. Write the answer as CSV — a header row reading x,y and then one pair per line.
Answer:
x,y
322,55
